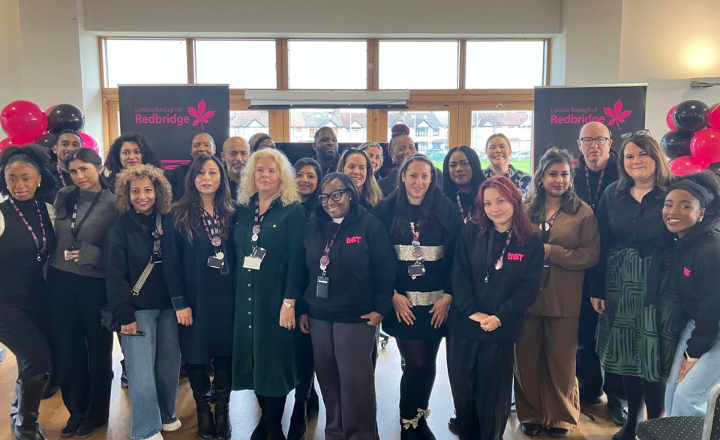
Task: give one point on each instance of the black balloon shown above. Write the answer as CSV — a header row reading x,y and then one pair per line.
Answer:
x,y
691,115
47,140
65,117
676,143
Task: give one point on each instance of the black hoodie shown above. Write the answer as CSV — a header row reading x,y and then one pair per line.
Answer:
x,y
698,281
591,195
361,269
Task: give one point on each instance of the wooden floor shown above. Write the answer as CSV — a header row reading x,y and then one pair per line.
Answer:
x,y
245,413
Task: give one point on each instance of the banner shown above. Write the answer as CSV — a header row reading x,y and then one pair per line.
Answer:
x,y
560,113
169,116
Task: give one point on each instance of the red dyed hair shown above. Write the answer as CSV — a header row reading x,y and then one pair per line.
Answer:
x,y
522,228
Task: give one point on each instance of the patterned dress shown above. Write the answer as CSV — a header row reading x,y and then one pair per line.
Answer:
x,y
522,180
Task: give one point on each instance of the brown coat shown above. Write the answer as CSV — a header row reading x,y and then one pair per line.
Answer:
x,y
574,246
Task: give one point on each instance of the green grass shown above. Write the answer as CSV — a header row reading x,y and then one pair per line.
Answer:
x,y
522,165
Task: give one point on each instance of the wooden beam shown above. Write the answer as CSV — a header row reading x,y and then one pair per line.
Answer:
x,y
190,50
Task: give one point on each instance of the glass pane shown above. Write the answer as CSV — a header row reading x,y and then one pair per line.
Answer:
x,y
505,64
146,62
327,64
516,125
349,124
246,123
429,131
418,65
248,64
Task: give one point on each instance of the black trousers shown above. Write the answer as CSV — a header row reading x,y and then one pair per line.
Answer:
x,y
418,375
84,347
22,332
304,354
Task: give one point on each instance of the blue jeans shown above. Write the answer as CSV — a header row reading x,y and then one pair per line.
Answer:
x,y
152,363
690,397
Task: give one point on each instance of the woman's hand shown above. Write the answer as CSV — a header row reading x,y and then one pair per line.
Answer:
x,y
490,323
478,316
129,329
287,315
439,313
685,368
304,324
402,307
374,318
184,316
598,304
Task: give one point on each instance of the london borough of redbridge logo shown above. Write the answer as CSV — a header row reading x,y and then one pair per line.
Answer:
x,y
201,116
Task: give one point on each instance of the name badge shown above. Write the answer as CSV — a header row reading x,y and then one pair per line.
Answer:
x,y
323,284
254,260
215,262
416,270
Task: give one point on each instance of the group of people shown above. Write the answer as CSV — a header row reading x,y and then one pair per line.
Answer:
x,y
259,274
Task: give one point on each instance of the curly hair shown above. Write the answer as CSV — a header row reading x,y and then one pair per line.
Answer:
x,y
288,191
149,156
535,204
370,190
163,191
33,155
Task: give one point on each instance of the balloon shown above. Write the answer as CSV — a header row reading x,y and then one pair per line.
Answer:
x,y
46,140
676,143
65,117
705,145
89,142
691,115
13,141
715,117
23,119
684,165
669,119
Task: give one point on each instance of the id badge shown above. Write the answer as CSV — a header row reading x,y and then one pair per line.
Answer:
x,y
416,270
254,260
215,262
157,257
323,284
67,257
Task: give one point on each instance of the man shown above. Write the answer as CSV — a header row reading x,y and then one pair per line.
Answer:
x,y
326,149
201,144
65,142
235,154
595,170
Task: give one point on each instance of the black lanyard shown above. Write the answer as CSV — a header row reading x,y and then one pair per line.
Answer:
x,y
546,226
41,246
499,263
462,211
325,259
75,230
259,219
212,227
593,200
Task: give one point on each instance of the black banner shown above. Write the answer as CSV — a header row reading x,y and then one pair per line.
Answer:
x,y
560,113
169,116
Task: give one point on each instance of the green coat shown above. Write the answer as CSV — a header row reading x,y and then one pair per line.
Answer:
x,y
264,357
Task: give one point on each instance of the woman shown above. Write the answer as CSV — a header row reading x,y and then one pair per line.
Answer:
x,y
546,391
375,153
347,252
26,238
270,228
260,141
129,150
76,277
400,146
463,175
423,225
498,264
691,212
498,151
307,176
640,316
198,265
357,165
141,302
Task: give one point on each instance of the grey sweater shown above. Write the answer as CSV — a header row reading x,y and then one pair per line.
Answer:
x,y
91,234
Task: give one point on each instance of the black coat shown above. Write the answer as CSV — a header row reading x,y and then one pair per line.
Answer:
x,y
176,177
591,195
361,270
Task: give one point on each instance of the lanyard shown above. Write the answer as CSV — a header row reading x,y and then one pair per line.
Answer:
x,y
59,170
545,227
418,251
212,227
156,233
462,211
499,262
41,248
258,222
591,199
325,259
75,230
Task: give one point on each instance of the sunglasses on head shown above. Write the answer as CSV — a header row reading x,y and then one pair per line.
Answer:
x,y
643,132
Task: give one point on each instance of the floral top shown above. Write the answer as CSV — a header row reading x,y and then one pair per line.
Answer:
x,y
521,179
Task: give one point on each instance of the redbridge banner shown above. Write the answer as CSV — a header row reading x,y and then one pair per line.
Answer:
x,y
170,115
561,111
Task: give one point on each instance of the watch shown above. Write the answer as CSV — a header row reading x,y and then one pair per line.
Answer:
x,y
287,304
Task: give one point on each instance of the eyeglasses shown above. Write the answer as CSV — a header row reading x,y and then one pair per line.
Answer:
x,y
587,141
335,196
644,132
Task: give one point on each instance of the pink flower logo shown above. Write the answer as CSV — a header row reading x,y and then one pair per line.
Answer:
x,y
617,114
686,271
201,116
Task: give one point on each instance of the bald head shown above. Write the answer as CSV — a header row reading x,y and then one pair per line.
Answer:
x,y
202,143
594,143
235,154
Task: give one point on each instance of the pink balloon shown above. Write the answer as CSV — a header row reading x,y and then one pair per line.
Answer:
x,y
23,119
705,145
14,141
89,142
669,119
684,165
715,117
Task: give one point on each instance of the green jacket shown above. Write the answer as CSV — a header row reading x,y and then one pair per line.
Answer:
x,y
264,357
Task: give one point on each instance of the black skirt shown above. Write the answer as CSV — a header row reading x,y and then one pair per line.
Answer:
x,y
421,329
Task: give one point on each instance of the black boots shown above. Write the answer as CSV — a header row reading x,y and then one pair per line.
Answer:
x,y
298,420
223,387
260,432
51,386
417,427
28,393
14,406
200,384
273,408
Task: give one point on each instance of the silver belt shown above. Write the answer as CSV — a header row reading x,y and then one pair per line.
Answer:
x,y
431,253
425,298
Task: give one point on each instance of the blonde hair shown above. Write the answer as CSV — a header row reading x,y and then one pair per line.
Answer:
x,y
288,191
163,191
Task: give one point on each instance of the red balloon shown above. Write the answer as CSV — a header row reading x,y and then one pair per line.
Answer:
x,y
715,117
684,165
89,142
14,141
23,119
705,145
669,119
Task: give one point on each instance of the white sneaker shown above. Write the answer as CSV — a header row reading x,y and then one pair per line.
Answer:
x,y
170,427
157,436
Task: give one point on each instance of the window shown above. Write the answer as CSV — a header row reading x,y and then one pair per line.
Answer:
x,y
421,132
420,124
516,125
418,64
327,64
145,62
244,64
436,132
349,124
246,123
505,64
